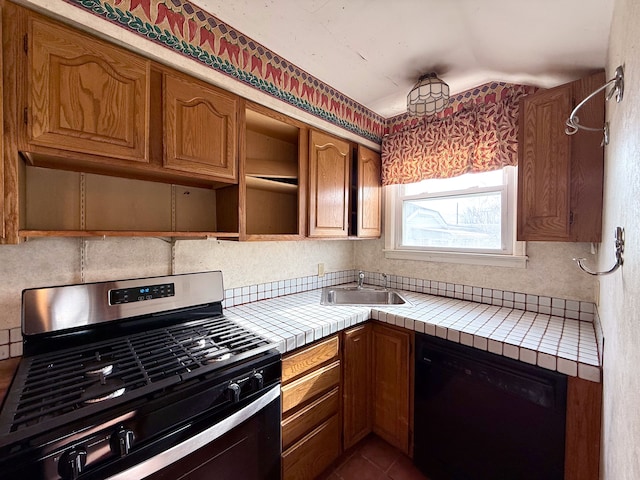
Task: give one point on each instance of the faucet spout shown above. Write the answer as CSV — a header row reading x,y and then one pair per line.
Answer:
x,y
360,278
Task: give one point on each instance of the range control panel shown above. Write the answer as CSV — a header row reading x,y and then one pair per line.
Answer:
x,y
140,294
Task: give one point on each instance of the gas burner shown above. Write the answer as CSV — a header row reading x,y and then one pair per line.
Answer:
x,y
97,366
105,389
218,356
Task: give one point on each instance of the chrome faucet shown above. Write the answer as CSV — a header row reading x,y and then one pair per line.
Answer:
x,y
360,278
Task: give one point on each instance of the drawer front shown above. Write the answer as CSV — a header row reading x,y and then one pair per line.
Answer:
x,y
309,457
309,358
302,422
309,386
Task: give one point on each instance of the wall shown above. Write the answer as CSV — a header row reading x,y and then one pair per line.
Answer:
x,y
55,261
619,299
550,270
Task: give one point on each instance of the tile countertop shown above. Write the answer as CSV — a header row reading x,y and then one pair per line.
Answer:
x,y
555,343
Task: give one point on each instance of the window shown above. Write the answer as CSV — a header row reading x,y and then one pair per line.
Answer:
x,y
466,219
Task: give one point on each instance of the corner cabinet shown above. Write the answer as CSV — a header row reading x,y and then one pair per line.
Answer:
x,y
200,128
85,96
392,365
560,177
329,177
357,384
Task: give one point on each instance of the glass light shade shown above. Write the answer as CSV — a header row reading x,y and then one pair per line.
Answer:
x,y
429,95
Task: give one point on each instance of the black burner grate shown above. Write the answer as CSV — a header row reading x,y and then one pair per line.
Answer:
x,y
60,383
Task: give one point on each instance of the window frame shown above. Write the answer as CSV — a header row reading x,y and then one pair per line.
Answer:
x,y
512,253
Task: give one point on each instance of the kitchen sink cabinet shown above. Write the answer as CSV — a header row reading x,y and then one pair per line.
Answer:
x,y
392,395
311,412
357,384
560,177
329,184
273,166
200,128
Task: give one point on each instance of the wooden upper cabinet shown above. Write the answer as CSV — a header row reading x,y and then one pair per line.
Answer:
x,y
85,95
200,131
369,216
560,176
329,166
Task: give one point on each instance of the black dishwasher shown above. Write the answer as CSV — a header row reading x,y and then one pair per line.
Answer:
x,y
481,416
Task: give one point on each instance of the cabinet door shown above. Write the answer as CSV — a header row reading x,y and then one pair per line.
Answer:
x,y
357,384
544,166
560,177
369,193
391,385
329,162
200,133
85,95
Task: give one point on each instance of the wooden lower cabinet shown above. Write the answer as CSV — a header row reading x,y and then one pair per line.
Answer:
x,y
309,457
584,413
357,384
311,409
391,385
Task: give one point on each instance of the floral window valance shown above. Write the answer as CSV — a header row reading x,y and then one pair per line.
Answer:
x,y
481,135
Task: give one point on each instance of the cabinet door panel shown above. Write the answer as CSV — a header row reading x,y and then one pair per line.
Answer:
x,y
369,193
200,129
357,384
329,163
391,386
87,96
543,189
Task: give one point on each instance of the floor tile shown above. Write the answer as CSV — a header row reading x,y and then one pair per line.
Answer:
x,y
373,459
358,467
379,452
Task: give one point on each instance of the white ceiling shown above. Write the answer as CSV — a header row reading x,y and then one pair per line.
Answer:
x,y
375,50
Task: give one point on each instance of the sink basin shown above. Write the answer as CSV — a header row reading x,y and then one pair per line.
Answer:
x,y
360,296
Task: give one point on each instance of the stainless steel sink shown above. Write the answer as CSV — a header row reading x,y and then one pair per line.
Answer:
x,y
360,296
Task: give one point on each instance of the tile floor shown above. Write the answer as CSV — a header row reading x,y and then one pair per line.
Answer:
x,y
373,459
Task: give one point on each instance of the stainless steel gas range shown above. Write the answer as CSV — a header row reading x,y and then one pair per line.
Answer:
x,y
141,378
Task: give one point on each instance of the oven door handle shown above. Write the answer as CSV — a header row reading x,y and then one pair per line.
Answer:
x,y
177,452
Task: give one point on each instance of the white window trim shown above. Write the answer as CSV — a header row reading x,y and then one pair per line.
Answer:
x,y
517,257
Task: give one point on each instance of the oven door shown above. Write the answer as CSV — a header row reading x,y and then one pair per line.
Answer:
x,y
244,445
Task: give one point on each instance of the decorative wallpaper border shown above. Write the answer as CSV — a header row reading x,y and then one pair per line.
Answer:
x,y
184,28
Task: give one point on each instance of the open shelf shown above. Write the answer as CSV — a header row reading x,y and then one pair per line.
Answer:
x,y
75,204
271,175
123,233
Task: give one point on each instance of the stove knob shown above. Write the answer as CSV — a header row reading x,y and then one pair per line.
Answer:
x,y
233,392
122,441
72,463
258,380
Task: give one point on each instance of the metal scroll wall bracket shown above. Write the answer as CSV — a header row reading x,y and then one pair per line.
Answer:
x,y
573,122
619,245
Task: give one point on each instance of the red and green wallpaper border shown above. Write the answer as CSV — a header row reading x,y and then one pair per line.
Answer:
x,y
184,28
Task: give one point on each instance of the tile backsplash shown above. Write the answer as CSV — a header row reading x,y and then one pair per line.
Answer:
x,y
11,339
